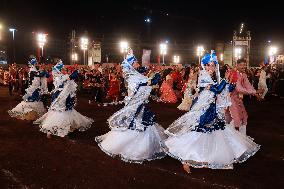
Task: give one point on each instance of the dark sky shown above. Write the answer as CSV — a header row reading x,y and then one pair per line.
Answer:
x,y
170,19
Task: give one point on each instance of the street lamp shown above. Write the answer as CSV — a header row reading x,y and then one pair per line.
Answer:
x,y
148,20
221,57
123,48
1,27
13,34
271,53
84,47
163,51
74,57
200,51
238,53
176,59
41,39
242,28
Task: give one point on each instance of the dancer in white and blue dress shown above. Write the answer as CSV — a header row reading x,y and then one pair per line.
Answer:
x,y
200,138
32,107
61,117
134,135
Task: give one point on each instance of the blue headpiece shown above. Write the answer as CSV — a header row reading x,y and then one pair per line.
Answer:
x,y
212,57
58,66
33,61
130,59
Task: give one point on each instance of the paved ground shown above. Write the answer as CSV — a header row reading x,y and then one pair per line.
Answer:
x,y
29,160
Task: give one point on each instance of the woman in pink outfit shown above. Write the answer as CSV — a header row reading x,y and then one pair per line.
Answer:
x,y
167,93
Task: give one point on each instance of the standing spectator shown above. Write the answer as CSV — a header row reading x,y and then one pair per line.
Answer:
x,y
262,83
113,92
23,80
255,78
50,80
189,90
280,84
11,79
96,82
167,93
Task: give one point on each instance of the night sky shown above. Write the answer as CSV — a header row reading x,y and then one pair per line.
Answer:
x,y
172,20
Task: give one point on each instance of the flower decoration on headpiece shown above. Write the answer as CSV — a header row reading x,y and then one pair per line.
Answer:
x,y
58,66
212,57
33,61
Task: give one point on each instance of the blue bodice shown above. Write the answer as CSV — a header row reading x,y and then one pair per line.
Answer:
x,y
209,121
148,117
33,74
33,93
70,101
35,96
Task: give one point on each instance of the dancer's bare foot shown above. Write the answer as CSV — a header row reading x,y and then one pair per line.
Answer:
x,y
186,167
48,135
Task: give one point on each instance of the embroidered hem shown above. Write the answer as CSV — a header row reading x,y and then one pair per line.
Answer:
x,y
246,155
156,156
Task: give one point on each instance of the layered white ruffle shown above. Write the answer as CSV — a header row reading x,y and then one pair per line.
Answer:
x,y
132,145
60,123
216,150
24,108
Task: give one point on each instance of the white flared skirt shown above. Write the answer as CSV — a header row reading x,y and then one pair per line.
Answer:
x,y
28,110
132,145
216,150
61,123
